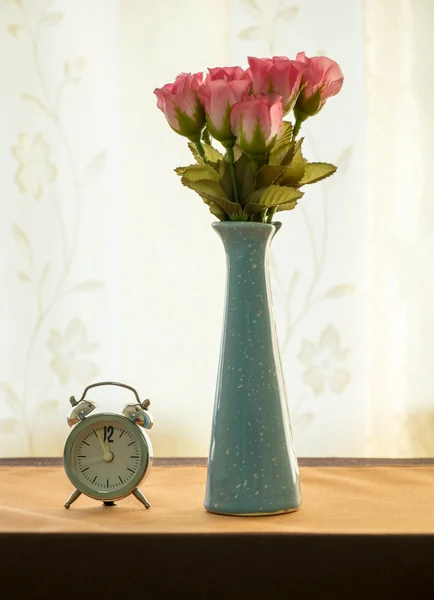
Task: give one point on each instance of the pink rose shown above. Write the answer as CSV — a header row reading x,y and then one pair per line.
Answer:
x,y
256,122
227,73
180,104
217,97
322,79
278,75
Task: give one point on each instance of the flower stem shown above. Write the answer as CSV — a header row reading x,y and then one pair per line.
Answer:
x,y
200,149
254,166
296,128
271,213
206,136
231,160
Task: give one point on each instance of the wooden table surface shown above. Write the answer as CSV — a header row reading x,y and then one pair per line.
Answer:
x,y
344,499
366,529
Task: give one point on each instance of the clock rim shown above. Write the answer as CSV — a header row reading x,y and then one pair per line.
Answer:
x,y
144,466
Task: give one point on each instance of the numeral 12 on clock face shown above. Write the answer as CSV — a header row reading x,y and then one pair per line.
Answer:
x,y
108,433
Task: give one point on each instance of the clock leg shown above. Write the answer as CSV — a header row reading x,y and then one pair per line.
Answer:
x,y
72,498
141,498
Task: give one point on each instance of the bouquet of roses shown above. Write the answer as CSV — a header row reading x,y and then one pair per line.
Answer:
x,y
262,168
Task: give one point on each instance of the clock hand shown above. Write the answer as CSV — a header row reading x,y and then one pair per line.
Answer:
x,y
94,461
108,456
101,442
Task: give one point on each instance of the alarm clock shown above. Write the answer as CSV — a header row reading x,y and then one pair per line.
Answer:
x,y
108,455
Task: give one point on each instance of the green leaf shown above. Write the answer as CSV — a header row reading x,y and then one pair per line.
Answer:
x,y
253,208
212,192
294,151
195,153
211,153
237,152
282,155
295,170
289,156
198,172
181,170
204,186
229,207
283,149
274,195
285,135
314,172
268,174
287,206
205,136
239,214
218,212
244,178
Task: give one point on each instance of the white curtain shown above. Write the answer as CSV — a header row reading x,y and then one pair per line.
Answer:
x,y
110,269
399,50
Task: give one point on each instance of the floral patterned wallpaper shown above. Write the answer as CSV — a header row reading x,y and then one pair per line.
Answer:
x,y
54,349
323,362
103,276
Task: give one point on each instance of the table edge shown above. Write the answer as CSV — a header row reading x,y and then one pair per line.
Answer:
x,y
202,461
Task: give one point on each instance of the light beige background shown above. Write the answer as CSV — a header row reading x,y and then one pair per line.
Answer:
x,y
110,269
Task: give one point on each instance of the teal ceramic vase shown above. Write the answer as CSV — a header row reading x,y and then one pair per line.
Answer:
x,y
252,465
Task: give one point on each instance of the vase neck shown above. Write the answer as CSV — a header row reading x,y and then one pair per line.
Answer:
x,y
241,238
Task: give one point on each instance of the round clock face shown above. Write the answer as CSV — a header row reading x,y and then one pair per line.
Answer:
x,y
106,456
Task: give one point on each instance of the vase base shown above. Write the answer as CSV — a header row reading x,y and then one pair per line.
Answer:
x,y
258,514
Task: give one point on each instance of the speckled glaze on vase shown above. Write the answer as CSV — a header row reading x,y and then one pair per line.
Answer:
x,y
252,465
